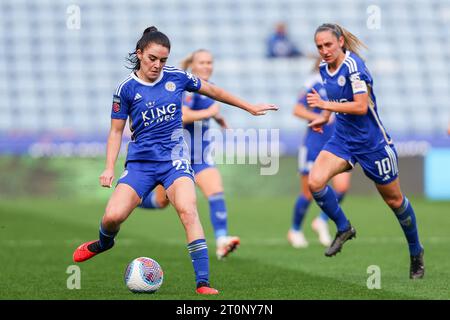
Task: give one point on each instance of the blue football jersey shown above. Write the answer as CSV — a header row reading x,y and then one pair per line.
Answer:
x,y
154,112
198,130
315,138
360,133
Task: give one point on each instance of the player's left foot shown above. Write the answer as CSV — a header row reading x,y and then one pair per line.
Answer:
x,y
204,288
339,240
226,245
417,268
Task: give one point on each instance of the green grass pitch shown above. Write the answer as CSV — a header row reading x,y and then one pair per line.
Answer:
x,y
38,236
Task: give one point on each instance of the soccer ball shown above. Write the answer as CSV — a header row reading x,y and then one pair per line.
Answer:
x,y
143,275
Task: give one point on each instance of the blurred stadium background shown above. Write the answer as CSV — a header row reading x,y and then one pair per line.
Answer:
x,y
60,62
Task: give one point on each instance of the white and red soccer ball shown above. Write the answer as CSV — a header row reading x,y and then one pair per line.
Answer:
x,y
143,275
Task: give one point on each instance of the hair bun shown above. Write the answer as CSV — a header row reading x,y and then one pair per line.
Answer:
x,y
150,29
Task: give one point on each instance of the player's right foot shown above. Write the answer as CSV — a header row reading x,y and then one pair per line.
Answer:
x,y
339,240
297,239
204,288
86,251
321,228
226,245
417,268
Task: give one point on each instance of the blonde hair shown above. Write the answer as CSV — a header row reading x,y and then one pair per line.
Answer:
x,y
351,42
187,61
316,66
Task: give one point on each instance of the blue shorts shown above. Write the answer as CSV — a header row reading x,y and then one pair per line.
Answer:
x,y
144,176
306,157
197,167
380,166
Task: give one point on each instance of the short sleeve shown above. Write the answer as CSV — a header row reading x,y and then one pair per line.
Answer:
x,y
120,104
192,83
302,97
359,76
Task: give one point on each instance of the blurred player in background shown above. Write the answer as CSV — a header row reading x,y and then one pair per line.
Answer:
x,y
197,112
151,98
280,45
312,145
359,137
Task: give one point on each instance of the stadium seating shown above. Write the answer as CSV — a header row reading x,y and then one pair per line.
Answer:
x,y
55,77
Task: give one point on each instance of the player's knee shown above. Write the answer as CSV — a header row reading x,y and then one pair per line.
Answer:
x,y
162,203
112,218
394,202
340,189
315,184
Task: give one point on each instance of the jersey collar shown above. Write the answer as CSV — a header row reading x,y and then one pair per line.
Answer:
x,y
347,54
145,83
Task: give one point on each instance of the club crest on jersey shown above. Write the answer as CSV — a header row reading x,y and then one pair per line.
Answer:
x,y
170,86
116,104
341,81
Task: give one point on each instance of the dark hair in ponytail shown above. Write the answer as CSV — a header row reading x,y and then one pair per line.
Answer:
x,y
150,35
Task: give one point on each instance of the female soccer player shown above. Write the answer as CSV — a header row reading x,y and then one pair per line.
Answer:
x,y
308,152
197,112
359,137
151,98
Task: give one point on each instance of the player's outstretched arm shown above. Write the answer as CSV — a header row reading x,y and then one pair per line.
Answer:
x,y
112,151
221,95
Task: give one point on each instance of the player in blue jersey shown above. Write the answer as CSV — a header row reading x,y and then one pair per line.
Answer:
x,y
308,152
150,97
359,137
197,112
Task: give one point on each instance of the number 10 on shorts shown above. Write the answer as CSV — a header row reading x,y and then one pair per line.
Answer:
x,y
384,166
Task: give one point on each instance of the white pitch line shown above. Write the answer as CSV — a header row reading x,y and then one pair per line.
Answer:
x,y
247,242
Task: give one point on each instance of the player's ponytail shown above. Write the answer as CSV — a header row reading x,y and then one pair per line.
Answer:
x,y
351,42
150,35
316,66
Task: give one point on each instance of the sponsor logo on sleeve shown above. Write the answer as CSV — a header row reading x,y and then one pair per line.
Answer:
x,y
116,104
193,78
359,86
